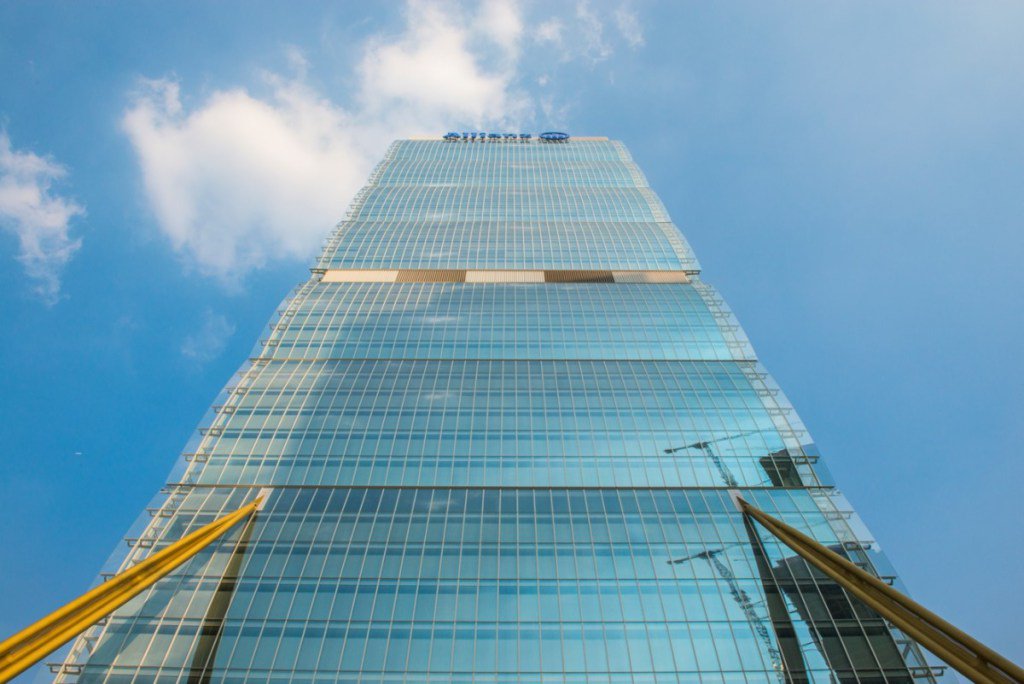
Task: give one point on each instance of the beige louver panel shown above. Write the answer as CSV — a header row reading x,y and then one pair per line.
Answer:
x,y
359,276
650,277
504,276
439,275
578,277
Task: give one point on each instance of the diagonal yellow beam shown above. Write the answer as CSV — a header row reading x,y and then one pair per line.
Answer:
x,y
962,652
24,649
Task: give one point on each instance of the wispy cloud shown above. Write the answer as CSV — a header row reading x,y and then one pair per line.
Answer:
x,y
501,21
206,343
37,216
549,31
587,31
629,26
590,30
240,180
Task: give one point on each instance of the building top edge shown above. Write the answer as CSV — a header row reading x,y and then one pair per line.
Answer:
x,y
440,138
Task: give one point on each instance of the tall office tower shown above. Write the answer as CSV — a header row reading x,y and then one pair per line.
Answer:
x,y
500,429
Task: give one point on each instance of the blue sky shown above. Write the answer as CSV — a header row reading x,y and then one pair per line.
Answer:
x,y
849,174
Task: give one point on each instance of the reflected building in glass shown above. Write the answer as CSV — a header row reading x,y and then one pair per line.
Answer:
x,y
500,429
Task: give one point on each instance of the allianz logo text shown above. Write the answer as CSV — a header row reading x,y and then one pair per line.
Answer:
x,y
548,136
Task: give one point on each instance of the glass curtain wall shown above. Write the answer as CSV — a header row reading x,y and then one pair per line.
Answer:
x,y
500,429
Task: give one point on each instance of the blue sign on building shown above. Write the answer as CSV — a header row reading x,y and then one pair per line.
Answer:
x,y
476,136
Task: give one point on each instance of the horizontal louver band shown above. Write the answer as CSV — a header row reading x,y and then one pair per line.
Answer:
x,y
451,275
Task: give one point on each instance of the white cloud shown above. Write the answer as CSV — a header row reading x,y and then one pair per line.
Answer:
x,y
240,180
430,75
38,217
206,343
629,26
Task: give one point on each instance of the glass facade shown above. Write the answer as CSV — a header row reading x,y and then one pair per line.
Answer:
x,y
500,430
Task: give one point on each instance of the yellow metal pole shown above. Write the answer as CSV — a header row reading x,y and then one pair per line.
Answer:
x,y
956,657
965,661
24,649
962,652
48,634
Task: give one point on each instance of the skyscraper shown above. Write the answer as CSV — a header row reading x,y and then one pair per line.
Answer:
x,y
500,431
